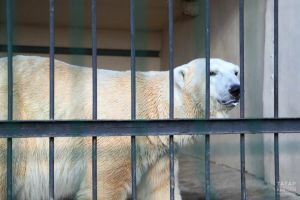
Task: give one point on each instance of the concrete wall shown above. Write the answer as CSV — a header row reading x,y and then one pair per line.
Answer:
x,y
189,44
254,69
289,92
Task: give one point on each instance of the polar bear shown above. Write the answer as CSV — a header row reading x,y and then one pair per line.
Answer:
x,y
73,100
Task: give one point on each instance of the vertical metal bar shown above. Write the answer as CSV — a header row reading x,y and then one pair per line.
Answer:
x,y
171,98
171,60
51,168
9,21
242,60
133,97
51,108
242,100
9,16
276,139
9,168
207,98
94,66
276,59
133,168
94,167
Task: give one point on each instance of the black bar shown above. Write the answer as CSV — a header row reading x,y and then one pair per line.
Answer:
x,y
51,107
51,60
94,167
276,136
207,167
243,167
9,169
171,91
55,128
242,100
9,25
94,58
276,58
9,49
207,98
242,60
51,168
133,168
94,66
171,60
207,57
80,51
133,97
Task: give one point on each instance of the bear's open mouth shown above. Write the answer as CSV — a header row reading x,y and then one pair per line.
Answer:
x,y
230,103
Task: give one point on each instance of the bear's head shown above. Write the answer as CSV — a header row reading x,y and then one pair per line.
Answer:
x,y
189,80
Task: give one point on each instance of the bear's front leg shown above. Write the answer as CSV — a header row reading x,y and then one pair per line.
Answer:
x,y
156,182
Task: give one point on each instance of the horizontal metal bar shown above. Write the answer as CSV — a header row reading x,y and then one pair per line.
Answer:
x,y
79,51
56,128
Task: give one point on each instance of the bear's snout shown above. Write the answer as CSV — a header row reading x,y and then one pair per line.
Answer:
x,y
235,91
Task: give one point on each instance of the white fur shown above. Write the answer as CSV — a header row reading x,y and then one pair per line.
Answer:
x,y
73,100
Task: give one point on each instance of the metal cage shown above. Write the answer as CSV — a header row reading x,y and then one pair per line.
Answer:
x,y
52,128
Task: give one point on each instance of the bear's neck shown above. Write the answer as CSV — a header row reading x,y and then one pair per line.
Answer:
x,y
153,100
191,108
187,107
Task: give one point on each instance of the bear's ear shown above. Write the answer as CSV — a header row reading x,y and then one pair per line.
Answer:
x,y
179,76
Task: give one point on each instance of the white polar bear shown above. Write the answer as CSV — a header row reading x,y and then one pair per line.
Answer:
x,y
73,100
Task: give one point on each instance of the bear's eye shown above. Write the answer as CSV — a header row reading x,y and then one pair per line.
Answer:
x,y
213,73
236,73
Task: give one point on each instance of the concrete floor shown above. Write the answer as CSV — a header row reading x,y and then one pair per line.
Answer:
x,y
225,182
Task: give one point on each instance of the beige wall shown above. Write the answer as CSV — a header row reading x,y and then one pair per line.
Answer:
x,y
189,44
110,39
289,91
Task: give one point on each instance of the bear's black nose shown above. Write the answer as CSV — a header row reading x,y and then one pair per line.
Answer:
x,y
235,91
